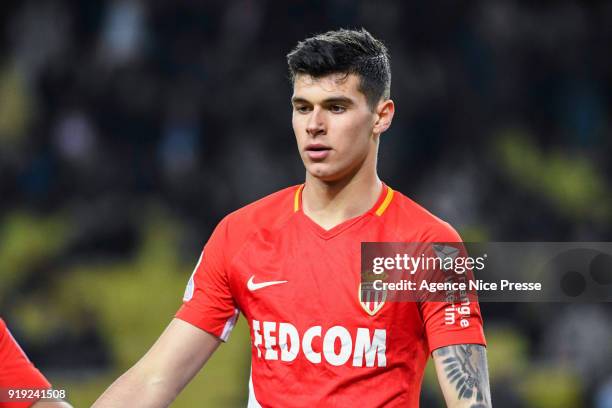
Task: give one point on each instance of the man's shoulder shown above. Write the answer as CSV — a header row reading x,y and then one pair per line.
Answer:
x,y
269,211
410,216
268,215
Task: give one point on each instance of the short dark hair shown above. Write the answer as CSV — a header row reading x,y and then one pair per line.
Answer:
x,y
349,52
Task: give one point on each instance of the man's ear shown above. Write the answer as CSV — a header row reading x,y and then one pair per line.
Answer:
x,y
384,112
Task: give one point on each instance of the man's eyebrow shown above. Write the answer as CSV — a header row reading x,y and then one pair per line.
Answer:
x,y
338,99
334,99
297,99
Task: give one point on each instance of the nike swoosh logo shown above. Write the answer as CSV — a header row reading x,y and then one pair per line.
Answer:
x,y
256,286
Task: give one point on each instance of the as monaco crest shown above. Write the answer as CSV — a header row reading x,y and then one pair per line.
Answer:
x,y
371,300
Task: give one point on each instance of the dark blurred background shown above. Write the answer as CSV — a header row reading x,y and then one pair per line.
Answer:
x,y
128,129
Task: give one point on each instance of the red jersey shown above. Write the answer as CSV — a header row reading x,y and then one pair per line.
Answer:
x,y
16,370
313,342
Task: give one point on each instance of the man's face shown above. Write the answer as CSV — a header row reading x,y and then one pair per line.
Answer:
x,y
333,125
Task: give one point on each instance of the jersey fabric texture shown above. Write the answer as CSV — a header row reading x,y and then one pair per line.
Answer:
x,y
16,370
313,341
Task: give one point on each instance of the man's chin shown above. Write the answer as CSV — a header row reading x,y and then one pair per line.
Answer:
x,y
324,173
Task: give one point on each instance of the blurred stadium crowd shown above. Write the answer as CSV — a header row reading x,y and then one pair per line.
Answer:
x,y
129,128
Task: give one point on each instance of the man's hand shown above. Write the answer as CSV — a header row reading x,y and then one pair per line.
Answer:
x,y
164,371
463,375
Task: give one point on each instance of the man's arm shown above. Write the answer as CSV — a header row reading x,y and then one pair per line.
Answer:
x,y
51,404
463,375
164,371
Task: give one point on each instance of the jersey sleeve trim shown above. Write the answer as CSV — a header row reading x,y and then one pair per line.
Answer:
x,y
229,325
221,330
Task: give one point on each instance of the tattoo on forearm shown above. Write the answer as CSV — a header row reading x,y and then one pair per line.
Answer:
x,y
465,367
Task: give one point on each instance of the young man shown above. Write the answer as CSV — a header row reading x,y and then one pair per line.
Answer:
x,y
290,263
18,374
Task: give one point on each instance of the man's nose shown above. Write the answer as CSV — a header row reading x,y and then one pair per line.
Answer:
x,y
316,122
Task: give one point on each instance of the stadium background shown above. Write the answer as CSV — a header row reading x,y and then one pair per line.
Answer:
x,y
129,128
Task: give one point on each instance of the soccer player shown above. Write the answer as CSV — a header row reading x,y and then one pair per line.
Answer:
x,y
18,373
290,263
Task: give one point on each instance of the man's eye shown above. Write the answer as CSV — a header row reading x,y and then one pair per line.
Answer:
x,y
302,109
337,109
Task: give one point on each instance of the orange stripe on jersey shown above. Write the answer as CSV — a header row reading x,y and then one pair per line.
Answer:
x,y
380,210
296,199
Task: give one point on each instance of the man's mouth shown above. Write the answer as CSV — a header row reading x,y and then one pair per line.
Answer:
x,y
317,151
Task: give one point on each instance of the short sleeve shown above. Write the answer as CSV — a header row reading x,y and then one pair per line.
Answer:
x,y
442,330
447,323
208,302
16,370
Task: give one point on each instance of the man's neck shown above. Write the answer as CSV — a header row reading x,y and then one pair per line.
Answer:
x,y
331,203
